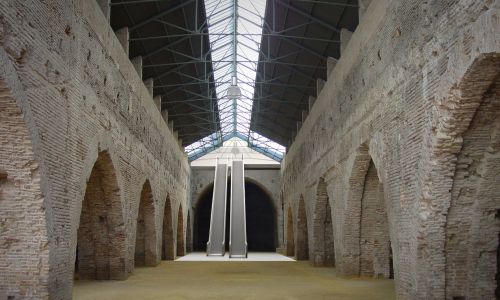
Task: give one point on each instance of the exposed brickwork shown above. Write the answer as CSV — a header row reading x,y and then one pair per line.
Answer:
x,y
402,95
181,247
290,237
167,233
80,96
474,207
24,249
302,246
101,248
323,243
374,232
189,234
145,235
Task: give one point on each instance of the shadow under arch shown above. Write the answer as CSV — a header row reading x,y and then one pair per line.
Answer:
x,y
101,248
290,236
261,215
145,241
323,241
167,236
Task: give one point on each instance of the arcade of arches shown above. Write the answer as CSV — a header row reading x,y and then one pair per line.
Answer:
x,y
389,187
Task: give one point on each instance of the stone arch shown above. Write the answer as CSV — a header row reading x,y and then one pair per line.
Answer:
x,y
374,241
189,234
101,247
290,236
302,249
201,210
167,232
181,248
323,242
367,250
473,218
145,236
23,230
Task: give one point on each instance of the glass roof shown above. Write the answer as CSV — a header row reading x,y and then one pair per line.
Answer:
x,y
235,32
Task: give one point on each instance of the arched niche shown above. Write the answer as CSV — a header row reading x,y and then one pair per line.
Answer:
x,y
101,247
302,247
181,248
323,242
167,236
290,236
145,241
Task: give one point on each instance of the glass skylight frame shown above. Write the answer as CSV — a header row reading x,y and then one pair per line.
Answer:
x,y
235,117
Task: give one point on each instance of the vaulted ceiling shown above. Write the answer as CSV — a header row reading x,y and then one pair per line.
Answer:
x,y
179,39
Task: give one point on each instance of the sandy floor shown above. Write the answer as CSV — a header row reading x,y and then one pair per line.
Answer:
x,y
235,280
252,256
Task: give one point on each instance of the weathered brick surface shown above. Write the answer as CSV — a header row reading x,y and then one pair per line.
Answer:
x,y
180,244
403,95
168,232
24,243
146,252
323,245
101,237
290,236
79,96
302,245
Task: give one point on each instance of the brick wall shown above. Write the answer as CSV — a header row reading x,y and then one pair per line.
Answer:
x,y
402,95
302,245
80,96
23,228
146,253
323,244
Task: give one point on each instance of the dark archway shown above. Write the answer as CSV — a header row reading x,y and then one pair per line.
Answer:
x,y
145,236
181,250
202,219
101,235
290,238
260,216
167,247
189,234
302,250
323,243
261,219
375,245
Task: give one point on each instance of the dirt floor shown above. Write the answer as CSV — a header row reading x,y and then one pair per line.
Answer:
x,y
235,280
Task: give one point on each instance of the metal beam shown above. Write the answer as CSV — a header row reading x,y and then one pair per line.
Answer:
x,y
159,15
307,15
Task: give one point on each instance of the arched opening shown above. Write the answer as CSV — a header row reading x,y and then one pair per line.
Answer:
x,y
189,239
167,244
302,238
202,219
374,239
290,236
260,217
180,233
472,224
497,276
324,249
145,241
22,207
101,235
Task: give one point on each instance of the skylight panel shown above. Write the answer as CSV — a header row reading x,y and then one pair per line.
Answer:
x,y
235,32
